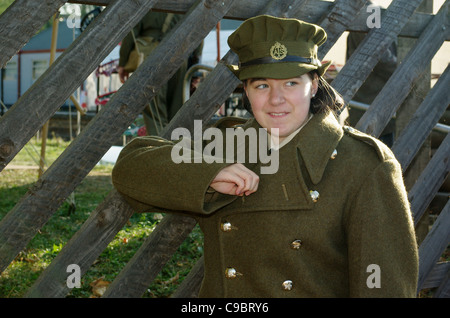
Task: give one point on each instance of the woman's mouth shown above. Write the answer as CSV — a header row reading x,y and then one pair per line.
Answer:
x,y
278,115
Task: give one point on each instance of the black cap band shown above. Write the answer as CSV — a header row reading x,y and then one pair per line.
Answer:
x,y
288,58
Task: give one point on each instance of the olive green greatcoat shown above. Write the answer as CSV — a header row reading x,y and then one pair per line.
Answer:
x,y
279,234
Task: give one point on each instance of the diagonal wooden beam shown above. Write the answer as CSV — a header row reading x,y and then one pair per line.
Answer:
x,y
424,119
430,180
434,245
20,22
368,53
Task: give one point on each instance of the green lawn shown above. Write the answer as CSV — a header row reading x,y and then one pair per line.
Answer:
x,y
39,253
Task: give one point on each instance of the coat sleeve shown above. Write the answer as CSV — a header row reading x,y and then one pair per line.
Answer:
x,y
382,248
148,177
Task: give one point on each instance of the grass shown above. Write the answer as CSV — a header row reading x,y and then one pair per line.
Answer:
x,y
43,248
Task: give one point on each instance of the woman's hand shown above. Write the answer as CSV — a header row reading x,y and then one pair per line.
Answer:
x,y
235,179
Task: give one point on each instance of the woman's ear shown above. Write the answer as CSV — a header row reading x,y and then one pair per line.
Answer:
x,y
315,84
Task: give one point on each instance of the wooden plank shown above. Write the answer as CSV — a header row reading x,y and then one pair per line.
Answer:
x,y
20,22
83,248
147,262
434,244
443,290
66,74
421,124
190,287
337,21
399,84
430,180
35,208
314,10
368,53
437,275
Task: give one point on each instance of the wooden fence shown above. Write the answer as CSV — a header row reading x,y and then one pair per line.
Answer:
x,y
21,224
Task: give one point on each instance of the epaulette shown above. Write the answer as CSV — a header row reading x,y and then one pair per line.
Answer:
x,y
382,150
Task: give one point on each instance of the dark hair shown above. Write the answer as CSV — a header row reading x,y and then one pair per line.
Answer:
x,y
326,98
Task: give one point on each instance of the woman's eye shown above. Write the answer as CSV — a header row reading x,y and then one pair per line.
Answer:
x,y
261,86
291,83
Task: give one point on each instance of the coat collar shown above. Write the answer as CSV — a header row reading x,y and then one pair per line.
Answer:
x,y
316,143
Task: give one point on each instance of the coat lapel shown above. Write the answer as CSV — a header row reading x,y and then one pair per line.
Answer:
x,y
316,143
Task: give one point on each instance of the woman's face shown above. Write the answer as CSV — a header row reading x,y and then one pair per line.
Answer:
x,y
281,103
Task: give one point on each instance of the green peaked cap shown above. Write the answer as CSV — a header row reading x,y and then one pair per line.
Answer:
x,y
271,47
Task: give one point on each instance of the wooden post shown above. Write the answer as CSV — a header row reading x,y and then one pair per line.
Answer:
x,y
420,87
44,133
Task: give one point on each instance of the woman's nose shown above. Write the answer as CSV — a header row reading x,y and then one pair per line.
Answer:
x,y
276,96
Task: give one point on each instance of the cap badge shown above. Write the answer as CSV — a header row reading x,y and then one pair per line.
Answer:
x,y
278,51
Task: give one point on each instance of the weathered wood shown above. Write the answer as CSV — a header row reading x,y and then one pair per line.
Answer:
x,y
337,21
421,124
368,53
443,290
83,248
399,84
434,244
66,74
437,275
430,180
20,22
147,262
313,11
190,287
21,223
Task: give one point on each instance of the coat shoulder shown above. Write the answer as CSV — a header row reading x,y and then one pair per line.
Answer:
x,y
382,151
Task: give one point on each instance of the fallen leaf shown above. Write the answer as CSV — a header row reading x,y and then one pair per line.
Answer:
x,y
99,287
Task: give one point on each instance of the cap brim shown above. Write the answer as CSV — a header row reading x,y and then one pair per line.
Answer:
x,y
276,70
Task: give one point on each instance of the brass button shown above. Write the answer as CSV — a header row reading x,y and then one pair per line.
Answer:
x,y
231,273
227,227
334,154
314,195
287,285
295,245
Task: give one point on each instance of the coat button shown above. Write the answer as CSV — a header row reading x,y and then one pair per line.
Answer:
x,y
227,227
295,245
287,285
314,195
231,273
334,154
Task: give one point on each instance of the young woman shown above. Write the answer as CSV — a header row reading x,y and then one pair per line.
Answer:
x,y
333,220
